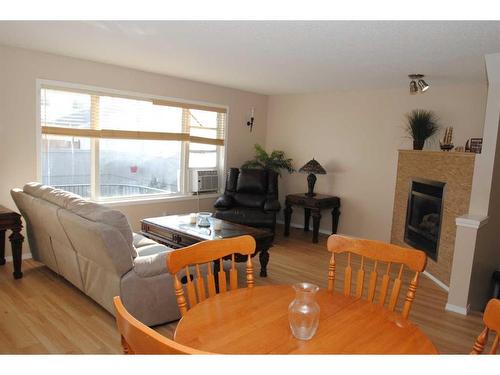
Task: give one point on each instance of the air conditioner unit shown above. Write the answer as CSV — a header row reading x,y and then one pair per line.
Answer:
x,y
203,181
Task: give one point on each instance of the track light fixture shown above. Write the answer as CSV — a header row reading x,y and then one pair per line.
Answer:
x,y
413,87
417,83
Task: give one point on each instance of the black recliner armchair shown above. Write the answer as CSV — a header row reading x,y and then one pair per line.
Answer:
x,y
250,198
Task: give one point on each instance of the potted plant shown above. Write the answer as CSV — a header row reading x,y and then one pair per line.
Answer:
x,y
421,125
275,161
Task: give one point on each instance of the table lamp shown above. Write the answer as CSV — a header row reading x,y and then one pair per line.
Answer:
x,y
312,167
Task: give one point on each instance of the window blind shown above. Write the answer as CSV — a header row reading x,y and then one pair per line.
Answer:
x,y
82,113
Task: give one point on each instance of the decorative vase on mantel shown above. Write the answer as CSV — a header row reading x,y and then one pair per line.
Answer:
x,y
421,125
418,144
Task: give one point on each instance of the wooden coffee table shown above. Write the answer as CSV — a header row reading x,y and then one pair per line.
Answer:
x,y
176,231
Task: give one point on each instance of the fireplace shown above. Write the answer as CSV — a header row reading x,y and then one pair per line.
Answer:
x,y
455,169
423,218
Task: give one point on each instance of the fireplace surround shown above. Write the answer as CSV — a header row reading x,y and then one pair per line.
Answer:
x,y
455,170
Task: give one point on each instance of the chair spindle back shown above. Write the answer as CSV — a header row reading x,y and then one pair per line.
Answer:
x,y
378,252
205,253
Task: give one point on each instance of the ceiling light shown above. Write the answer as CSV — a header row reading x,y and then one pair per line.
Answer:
x,y
417,83
422,85
413,87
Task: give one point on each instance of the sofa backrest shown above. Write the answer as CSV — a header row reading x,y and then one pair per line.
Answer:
x,y
69,233
34,214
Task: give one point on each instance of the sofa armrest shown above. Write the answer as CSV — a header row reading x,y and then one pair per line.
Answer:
x,y
224,202
272,205
139,241
152,260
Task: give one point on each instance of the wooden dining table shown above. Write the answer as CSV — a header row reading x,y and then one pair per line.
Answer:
x,y
255,321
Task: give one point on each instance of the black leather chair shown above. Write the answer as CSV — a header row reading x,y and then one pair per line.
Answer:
x,y
250,198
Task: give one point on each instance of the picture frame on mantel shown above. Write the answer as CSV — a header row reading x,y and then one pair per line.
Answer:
x,y
474,145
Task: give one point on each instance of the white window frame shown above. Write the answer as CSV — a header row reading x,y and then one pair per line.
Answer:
x,y
183,194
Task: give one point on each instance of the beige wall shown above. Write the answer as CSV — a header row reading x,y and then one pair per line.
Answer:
x,y
355,136
19,70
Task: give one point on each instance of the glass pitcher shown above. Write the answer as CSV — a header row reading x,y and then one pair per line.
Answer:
x,y
203,219
303,311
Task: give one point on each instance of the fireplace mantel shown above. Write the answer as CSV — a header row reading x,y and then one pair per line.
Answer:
x,y
455,169
440,154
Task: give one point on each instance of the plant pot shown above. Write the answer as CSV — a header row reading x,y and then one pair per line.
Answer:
x,y
418,144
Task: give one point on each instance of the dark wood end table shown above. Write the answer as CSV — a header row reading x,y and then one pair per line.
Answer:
x,y
11,220
312,206
175,231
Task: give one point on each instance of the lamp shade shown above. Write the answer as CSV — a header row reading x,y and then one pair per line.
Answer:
x,y
312,166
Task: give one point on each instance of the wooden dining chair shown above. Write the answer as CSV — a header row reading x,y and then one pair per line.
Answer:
x,y
137,338
207,252
491,319
378,252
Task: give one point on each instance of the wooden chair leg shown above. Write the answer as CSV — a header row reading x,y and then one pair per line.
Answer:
x,y
494,346
179,295
480,343
125,346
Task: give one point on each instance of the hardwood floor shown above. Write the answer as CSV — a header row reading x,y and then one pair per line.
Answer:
x,y
43,313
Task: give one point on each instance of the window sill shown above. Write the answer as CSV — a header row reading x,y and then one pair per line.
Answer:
x,y
155,200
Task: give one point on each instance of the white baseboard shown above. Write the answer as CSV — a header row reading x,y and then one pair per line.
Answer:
x,y
23,256
437,281
457,309
301,226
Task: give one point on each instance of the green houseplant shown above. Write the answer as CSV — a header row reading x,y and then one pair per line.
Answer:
x,y
275,161
421,125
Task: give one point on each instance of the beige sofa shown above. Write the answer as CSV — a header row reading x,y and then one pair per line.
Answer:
x,y
93,247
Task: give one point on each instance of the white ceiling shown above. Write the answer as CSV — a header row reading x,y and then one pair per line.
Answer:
x,y
275,57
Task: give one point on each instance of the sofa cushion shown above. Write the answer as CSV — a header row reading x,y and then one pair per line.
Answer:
x,y
248,216
35,189
249,200
252,181
224,201
140,241
60,198
151,260
102,214
152,249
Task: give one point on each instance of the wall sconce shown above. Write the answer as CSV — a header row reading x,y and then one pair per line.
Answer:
x,y
417,83
250,123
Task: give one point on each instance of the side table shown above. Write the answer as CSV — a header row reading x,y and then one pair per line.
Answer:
x,y
312,206
11,220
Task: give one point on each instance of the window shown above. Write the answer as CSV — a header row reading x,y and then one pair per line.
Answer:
x,y
107,146
203,124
